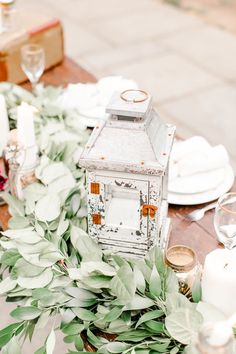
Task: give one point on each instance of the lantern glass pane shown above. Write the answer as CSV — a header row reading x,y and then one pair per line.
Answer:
x,y
123,208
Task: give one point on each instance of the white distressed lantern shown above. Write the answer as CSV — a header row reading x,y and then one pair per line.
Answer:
x,y
127,159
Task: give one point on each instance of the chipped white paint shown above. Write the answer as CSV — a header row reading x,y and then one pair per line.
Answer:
x,y
128,156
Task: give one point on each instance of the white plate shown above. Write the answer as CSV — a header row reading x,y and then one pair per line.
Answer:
x,y
198,183
206,196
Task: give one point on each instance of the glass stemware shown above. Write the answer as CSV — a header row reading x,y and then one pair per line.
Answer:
x,y
225,220
33,62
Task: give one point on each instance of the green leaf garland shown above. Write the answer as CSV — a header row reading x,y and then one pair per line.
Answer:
x,y
54,268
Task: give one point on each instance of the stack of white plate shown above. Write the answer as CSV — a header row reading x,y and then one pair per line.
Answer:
x,y
199,173
90,100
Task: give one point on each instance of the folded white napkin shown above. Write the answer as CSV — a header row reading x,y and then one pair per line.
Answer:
x,y
196,155
90,100
196,166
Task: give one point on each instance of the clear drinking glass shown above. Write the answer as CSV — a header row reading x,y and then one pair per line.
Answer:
x,y
33,62
225,220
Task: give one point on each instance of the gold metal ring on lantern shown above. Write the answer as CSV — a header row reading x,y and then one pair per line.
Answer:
x,y
135,100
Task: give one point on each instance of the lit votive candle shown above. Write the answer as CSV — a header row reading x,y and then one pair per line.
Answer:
x,y
183,261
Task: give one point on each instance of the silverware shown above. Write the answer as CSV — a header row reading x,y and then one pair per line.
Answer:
x,y
199,213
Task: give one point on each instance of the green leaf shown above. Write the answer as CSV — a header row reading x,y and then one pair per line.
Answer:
x,y
160,347
62,227
146,271
155,283
12,347
18,222
95,340
7,285
43,319
175,301
79,344
155,326
172,283
183,324
84,314
73,328
134,335
97,282
26,313
15,206
53,171
117,347
37,281
123,285
28,236
139,279
35,191
82,294
48,208
150,315
155,255
7,333
41,350
118,326
197,289
97,268
138,303
85,245
113,314
10,257
70,338
50,343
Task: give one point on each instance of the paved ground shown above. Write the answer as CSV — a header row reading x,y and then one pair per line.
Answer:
x,y
218,12
189,66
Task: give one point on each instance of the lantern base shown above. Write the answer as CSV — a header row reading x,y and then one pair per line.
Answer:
x,y
128,250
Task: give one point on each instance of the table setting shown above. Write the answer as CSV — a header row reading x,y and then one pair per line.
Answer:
x,y
112,283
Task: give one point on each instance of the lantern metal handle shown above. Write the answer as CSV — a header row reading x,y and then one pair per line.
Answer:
x,y
149,209
134,100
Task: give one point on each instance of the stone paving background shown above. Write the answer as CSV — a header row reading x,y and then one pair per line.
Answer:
x,y
187,64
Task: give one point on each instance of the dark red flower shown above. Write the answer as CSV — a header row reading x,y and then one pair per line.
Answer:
x,y
3,181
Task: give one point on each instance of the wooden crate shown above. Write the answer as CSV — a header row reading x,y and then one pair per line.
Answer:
x,y
30,28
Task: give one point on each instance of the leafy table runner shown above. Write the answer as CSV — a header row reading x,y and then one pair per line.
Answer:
x,y
55,268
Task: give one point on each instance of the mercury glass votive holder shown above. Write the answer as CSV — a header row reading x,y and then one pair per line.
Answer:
x,y
183,261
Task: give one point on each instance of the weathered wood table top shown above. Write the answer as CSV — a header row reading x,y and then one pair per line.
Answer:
x,y
198,235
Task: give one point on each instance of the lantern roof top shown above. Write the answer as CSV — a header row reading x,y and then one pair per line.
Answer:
x,y
130,143
130,103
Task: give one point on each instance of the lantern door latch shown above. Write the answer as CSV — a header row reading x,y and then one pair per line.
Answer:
x,y
97,219
95,188
149,210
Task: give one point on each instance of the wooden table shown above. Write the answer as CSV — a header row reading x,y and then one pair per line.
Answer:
x,y
198,235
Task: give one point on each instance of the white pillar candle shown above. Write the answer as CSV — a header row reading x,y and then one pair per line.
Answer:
x,y
219,280
4,124
25,125
26,134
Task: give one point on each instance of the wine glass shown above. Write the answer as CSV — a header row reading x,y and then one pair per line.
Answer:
x,y
33,62
225,220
